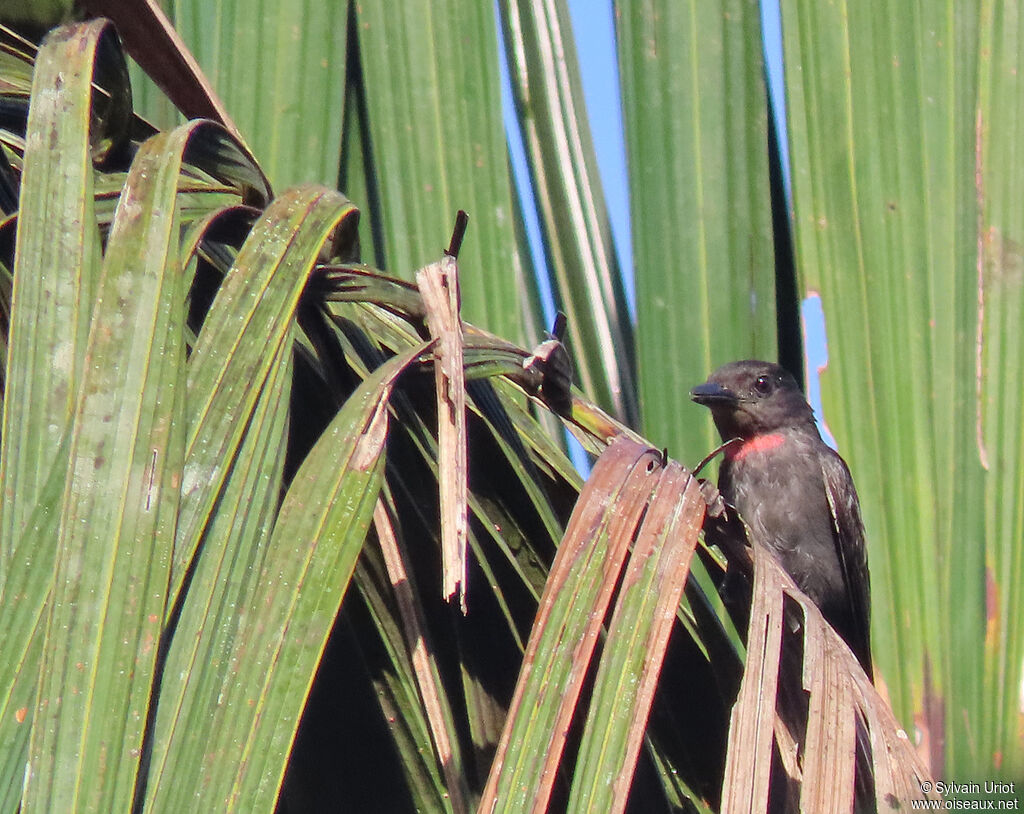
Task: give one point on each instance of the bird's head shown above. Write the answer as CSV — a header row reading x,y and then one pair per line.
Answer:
x,y
750,398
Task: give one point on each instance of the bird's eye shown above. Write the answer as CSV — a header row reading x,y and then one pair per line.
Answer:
x,y
763,385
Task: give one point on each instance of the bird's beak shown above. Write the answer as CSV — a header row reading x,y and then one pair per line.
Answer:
x,y
710,394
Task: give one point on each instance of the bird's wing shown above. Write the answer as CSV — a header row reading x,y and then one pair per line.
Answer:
x,y
850,548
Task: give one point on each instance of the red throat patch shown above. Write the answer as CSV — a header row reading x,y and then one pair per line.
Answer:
x,y
759,443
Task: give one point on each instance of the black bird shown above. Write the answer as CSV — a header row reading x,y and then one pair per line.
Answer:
x,y
793,491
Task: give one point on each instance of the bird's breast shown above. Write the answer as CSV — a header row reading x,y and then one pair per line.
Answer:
x,y
775,483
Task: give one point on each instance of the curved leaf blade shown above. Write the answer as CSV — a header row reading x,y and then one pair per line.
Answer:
x,y
119,508
251,319
50,311
247,731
